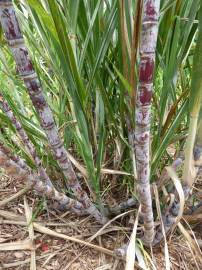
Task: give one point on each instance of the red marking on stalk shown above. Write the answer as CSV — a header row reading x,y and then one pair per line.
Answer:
x,y
34,86
146,70
9,23
39,101
28,64
145,96
12,29
142,137
143,117
150,10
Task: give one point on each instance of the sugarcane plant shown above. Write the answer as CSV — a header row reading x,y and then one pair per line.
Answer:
x,y
14,166
148,37
110,80
29,145
26,70
193,151
192,161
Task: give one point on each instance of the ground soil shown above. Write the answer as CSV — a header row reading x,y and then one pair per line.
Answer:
x,y
56,253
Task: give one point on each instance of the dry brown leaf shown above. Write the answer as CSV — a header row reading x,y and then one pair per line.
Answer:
x,y
18,245
28,214
130,255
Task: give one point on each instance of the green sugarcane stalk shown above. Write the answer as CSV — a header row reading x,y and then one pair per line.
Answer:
x,y
25,139
26,70
148,38
194,106
193,149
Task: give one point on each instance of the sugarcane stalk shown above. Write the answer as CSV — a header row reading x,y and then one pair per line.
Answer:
x,y
14,169
170,215
26,70
148,38
193,152
193,149
25,139
13,157
195,99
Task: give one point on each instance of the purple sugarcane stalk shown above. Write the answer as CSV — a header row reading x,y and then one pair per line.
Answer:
x,y
148,38
26,70
170,215
20,162
20,170
25,139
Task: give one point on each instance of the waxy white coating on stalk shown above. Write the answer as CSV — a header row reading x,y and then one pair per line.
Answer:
x,y
13,169
148,40
26,70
